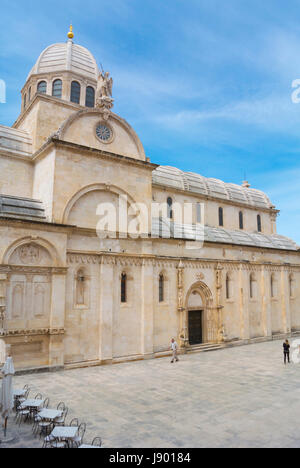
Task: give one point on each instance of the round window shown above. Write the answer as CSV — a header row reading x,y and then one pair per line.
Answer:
x,y
104,133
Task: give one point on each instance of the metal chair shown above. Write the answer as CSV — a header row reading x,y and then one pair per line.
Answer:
x,y
78,440
20,400
74,422
48,440
97,442
45,427
46,403
61,420
34,411
56,443
38,419
22,410
61,406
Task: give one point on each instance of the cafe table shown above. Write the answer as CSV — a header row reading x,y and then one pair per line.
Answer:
x,y
64,433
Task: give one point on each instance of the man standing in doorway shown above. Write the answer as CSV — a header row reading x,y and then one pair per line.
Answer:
x,y
174,347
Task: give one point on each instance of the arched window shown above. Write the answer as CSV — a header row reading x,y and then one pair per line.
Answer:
x,y
25,101
170,208
292,286
199,213
161,288
221,217
259,223
252,286
29,94
228,287
90,97
241,220
80,288
57,88
123,288
42,87
75,92
273,292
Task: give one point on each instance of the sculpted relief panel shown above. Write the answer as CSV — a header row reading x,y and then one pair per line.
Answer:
x,y
30,254
28,297
29,287
41,296
18,287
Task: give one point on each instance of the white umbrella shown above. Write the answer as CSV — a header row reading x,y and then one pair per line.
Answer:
x,y
6,395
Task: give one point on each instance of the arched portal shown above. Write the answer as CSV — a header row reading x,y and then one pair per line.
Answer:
x,y
201,316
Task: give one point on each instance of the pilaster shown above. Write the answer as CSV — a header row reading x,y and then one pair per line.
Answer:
x,y
108,285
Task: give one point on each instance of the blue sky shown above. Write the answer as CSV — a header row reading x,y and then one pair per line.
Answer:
x,y
205,83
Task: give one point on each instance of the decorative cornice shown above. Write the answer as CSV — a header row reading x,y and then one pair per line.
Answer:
x,y
8,269
106,258
33,332
54,141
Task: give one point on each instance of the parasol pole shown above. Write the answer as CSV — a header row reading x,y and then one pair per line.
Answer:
x,y
5,426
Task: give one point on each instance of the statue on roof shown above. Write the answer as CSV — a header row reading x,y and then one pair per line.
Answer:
x,y
104,91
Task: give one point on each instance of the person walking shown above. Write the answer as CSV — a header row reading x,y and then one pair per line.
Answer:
x,y
174,347
286,351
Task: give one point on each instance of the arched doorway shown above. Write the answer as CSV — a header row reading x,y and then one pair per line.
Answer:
x,y
201,316
195,318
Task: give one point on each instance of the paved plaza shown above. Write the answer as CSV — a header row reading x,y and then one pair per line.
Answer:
x,y
237,397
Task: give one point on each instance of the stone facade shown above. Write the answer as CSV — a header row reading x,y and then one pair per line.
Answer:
x,y
71,297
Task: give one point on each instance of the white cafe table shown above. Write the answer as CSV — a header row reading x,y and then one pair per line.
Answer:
x,y
49,414
84,446
19,393
33,403
64,432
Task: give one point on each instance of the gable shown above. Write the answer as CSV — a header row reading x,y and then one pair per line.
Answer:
x,y
103,131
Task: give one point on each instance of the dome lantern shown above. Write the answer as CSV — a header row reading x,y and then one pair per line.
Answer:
x,y
70,33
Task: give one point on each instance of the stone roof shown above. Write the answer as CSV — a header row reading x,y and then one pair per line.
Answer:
x,y
67,57
166,229
172,177
21,208
15,141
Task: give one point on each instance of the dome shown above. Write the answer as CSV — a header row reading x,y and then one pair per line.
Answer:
x,y
67,57
197,184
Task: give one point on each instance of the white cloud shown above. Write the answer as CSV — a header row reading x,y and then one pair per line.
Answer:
x,y
272,113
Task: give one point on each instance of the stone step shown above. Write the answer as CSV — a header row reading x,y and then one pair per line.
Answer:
x,y
81,365
204,348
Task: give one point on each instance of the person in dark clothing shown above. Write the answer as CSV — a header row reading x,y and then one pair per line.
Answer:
x,y
286,351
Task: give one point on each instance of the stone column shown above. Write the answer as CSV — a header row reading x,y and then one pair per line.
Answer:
x,y
57,319
147,319
108,284
285,302
221,332
66,89
82,93
183,332
3,283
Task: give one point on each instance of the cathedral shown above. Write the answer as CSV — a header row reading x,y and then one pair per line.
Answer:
x,y
96,265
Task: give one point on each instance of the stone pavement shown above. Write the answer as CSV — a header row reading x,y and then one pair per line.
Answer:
x,y
237,397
